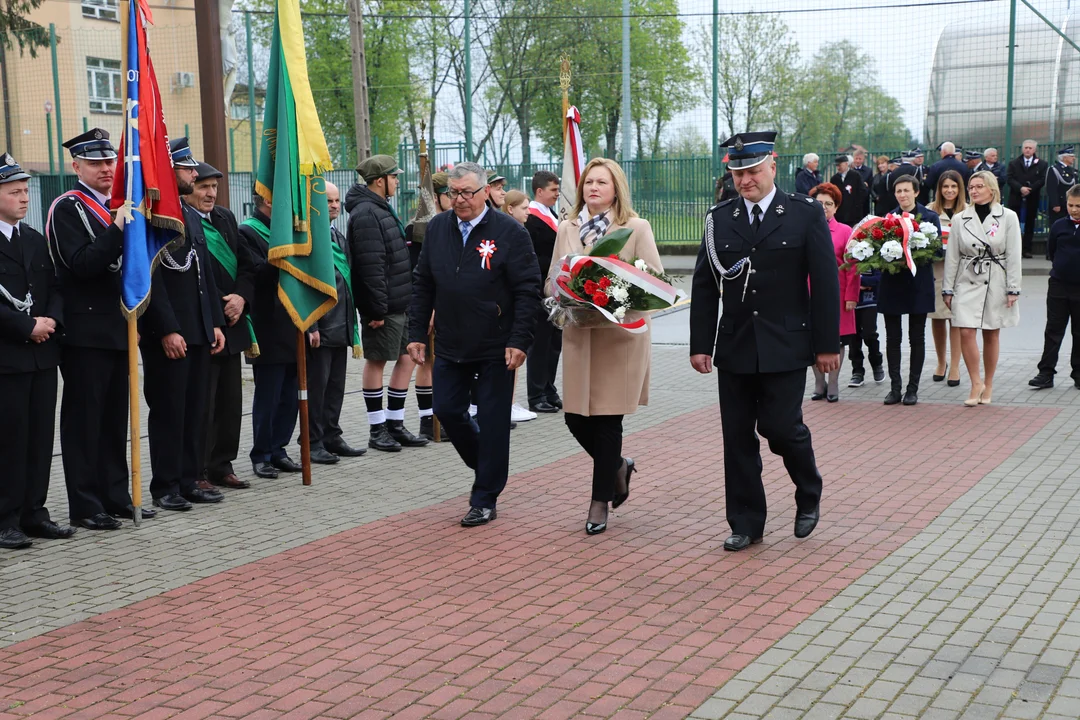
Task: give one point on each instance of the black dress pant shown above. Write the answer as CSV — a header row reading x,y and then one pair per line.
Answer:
x,y
94,430
1029,208
1062,305
274,410
865,333
543,363
601,437
894,336
326,368
27,414
483,444
224,413
771,403
176,393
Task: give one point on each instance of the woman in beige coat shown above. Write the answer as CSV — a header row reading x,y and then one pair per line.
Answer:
x,y
982,279
605,370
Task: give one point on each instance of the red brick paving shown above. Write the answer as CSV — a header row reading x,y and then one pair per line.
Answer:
x,y
413,616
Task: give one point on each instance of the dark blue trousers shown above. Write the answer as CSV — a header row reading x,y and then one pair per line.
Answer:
x,y
484,445
273,410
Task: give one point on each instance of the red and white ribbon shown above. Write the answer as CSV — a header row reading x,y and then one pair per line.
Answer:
x,y
486,249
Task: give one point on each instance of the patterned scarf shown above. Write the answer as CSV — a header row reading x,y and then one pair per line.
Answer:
x,y
594,228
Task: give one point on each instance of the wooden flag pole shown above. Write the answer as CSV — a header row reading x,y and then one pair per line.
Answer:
x,y
436,426
301,378
133,400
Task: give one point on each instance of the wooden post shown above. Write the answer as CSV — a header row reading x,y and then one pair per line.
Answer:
x,y
436,426
301,378
212,93
133,400
359,81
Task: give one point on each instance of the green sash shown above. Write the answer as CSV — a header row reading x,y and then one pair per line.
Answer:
x,y
224,254
258,226
341,264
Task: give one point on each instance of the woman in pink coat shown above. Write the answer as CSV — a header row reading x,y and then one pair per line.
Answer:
x,y
829,196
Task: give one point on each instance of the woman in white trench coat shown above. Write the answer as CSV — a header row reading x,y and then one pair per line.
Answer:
x,y
982,279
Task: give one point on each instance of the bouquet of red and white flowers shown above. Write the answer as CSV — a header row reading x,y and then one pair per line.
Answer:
x,y
599,289
892,243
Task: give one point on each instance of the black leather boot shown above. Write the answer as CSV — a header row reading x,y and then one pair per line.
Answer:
x,y
401,434
427,427
380,439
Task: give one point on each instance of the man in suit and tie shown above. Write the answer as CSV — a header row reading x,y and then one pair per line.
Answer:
x,y
757,252
30,321
1026,177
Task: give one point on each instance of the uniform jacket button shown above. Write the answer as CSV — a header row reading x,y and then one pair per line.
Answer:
x,y
753,292
755,313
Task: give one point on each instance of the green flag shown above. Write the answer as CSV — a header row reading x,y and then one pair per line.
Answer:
x,y
294,156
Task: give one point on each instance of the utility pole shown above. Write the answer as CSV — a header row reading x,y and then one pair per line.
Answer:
x,y
626,130
362,117
468,81
1008,149
212,93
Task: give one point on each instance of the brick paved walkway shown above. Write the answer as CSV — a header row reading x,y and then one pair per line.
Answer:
x,y
413,616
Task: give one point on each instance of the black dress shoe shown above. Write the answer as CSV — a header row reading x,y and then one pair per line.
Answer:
x,y
401,434
738,542
380,439
265,470
321,456
543,407
146,513
805,522
286,464
911,397
832,398
893,398
49,530
203,497
101,521
14,539
343,449
1042,382
556,401
478,516
620,498
592,528
817,396
172,502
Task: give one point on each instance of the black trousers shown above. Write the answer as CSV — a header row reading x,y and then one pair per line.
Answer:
x,y
223,415
483,444
176,393
894,336
326,392
94,430
771,403
601,437
273,410
27,414
1062,305
1029,207
865,333
543,363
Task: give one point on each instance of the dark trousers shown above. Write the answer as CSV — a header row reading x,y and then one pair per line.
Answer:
x,y
94,430
27,414
543,362
1062,304
771,403
176,393
1028,210
601,437
273,411
865,332
224,413
894,336
326,393
491,429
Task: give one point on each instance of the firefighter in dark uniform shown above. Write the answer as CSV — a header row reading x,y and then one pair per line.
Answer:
x,y
181,329
1060,177
757,254
86,247
30,323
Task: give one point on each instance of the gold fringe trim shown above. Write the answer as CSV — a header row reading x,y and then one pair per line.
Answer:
x,y
357,352
252,352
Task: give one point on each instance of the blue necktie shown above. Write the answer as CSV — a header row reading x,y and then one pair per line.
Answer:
x,y
466,228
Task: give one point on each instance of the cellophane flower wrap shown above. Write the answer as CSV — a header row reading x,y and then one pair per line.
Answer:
x,y
601,290
892,244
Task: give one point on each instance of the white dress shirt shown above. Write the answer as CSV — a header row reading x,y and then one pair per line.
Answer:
x,y
763,205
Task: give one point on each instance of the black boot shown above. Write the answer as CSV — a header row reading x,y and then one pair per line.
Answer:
x,y
381,440
427,427
894,397
401,434
912,395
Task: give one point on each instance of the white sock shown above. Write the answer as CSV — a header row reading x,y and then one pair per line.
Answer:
x,y
426,413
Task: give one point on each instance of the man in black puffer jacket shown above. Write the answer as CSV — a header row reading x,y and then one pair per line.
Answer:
x,y
382,289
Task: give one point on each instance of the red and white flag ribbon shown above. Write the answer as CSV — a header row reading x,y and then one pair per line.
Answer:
x,y
486,249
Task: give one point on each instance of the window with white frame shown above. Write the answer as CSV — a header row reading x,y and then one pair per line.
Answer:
x,y
104,81
101,9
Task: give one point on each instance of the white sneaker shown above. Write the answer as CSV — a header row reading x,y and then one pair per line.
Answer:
x,y
520,414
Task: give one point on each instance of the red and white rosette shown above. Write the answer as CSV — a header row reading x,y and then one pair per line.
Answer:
x,y
570,265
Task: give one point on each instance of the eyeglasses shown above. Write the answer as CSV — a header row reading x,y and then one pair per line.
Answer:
x,y
467,194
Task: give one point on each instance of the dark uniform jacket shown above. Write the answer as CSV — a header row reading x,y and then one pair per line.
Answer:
x,y
27,268
916,171
479,312
1059,178
381,269
237,337
1063,249
336,327
853,196
946,163
1033,176
87,264
903,294
274,329
999,172
882,194
185,302
543,240
782,323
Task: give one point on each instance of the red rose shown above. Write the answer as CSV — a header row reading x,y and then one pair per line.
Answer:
x,y
600,299
890,221
877,233
860,235
591,287
604,283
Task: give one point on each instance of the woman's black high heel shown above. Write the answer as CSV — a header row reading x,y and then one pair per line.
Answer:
x,y
595,528
620,498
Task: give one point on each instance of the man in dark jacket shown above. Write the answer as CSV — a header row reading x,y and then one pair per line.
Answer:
x,y
1062,293
180,330
30,322
1060,177
764,246
807,176
991,165
479,273
329,343
853,192
1026,176
234,275
948,161
858,164
543,225
382,288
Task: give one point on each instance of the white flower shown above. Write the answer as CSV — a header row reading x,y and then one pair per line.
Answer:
x,y
861,250
919,241
891,251
619,313
641,265
928,229
619,293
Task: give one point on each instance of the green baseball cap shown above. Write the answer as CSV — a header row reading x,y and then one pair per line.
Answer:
x,y
376,166
440,181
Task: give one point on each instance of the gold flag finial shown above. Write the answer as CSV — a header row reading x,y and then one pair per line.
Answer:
x,y
564,73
